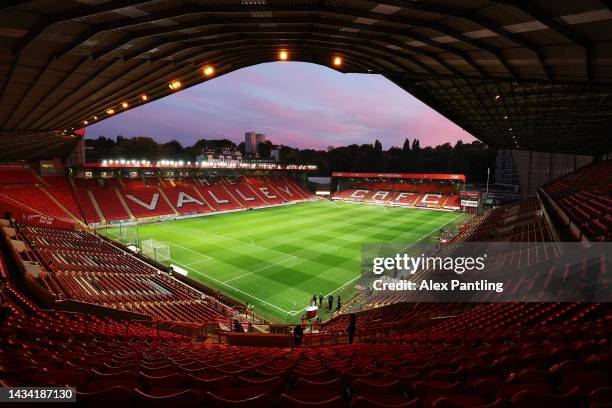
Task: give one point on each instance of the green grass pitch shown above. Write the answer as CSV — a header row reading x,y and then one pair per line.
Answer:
x,y
277,258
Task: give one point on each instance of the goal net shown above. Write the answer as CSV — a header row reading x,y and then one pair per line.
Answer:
x,y
128,235
156,250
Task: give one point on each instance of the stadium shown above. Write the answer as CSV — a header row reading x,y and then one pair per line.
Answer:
x,y
196,282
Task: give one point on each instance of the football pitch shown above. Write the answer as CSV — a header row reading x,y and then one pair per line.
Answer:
x,y
277,258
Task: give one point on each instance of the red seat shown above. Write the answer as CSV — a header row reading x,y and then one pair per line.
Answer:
x,y
533,399
272,386
98,385
287,401
333,385
376,386
489,387
384,401
182,399
229,401
465,401
211,383
118,375
508,391
103,398
601,397
586,382
72,378
532,375
168,381
424,389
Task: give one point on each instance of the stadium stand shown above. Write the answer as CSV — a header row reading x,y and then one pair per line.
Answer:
x,y
80,266
37,199
60,188
86,206
565,363
245,194
146,202
399,198
134,183
78,199
109,202
582,201
17,175
186,199
519,222
407,354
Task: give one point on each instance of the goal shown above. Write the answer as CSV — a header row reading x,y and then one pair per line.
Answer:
x,y
128,235
156,250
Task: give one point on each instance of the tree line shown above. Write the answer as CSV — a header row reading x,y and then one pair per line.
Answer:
x,y
471,159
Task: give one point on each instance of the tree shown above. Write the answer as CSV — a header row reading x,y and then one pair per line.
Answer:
x,y
471,159
264,149
172,150
406,147
378,146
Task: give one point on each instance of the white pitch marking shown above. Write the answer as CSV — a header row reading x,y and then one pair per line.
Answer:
x,y
261,269
236,289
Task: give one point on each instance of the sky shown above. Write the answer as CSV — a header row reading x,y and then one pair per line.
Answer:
x,y
294,103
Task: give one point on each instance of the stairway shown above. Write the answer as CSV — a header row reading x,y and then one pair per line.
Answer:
x,y
125,206
60,205
96,206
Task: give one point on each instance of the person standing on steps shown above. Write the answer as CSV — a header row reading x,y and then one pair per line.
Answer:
x,y
351,327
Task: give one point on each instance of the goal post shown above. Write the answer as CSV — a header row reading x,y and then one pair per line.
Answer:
x,y
156,250
128,234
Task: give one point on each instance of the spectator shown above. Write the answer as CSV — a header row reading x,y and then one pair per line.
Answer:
x,y
298,333
320,300
237,326
330,302
339,305
351,327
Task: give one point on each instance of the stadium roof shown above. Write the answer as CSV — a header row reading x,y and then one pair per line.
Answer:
x,y
532,74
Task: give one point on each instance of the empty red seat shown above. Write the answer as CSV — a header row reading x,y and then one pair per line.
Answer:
x,y
363,386
384,401
534,399
464,401
271,386
332,385
601,397
236,399
183,399
425,389
168,381
210,383
585,382
120,395
319,399
506,392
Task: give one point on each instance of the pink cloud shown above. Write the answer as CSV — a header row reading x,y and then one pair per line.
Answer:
x,y
296,104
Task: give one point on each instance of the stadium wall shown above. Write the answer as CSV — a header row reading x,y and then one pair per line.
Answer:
x,y
537,168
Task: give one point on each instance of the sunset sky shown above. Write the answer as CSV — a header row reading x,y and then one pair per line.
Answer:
x,y
293,103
